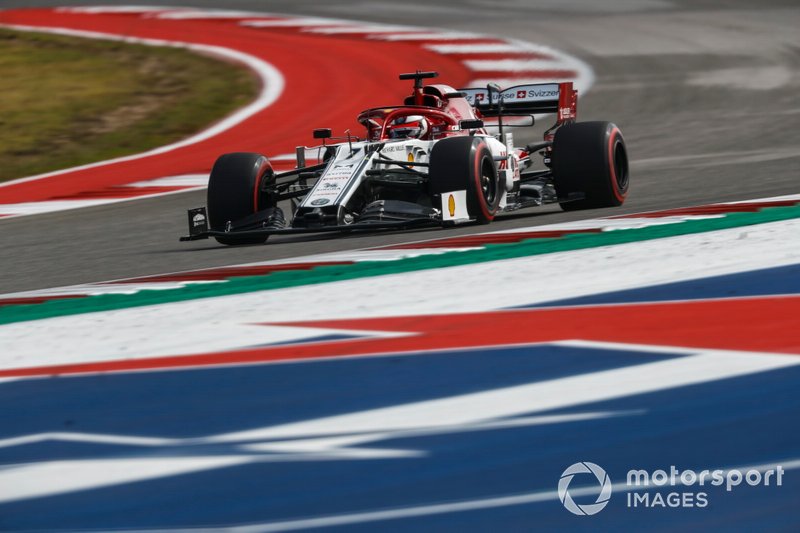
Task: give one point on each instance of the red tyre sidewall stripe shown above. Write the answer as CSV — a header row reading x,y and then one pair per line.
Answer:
x,y
479,189
614,182
259,176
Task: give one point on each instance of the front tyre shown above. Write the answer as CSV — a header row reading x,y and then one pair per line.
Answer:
x,y
466,163
235,190
590,158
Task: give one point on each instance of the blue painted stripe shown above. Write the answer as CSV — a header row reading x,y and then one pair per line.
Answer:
x,y
232,398
724,423
766,282
309,340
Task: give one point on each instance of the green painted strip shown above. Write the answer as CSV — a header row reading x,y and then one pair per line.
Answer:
x,y
324,274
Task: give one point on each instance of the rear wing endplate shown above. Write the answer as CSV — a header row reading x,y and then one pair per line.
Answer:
x,y
531,99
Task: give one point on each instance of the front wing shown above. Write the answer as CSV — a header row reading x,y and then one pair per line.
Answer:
x,y
205,233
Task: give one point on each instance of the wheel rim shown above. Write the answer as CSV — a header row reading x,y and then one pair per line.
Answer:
x,y
488,182
621,165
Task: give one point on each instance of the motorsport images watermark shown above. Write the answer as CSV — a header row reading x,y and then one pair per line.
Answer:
x,y
565,495
655,489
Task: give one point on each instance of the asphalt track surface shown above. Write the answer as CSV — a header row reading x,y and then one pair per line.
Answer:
x,y
705,96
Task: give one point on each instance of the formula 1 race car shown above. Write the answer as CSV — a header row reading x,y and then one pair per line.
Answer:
x,y
430,161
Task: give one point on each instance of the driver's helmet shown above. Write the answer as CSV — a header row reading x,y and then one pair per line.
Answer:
x,y
408,127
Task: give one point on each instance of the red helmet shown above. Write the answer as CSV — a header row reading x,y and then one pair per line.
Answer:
x,y
409,127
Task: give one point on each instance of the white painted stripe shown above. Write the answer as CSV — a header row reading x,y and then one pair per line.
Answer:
x,y
383,515
364,28
513,65
189,14
322,444
99,10
106,288
472,48
770,199
314,444
37,480
51,206
47,206
375,255
431,36
184,180
224,335
271,79
529,398
295,22
95,438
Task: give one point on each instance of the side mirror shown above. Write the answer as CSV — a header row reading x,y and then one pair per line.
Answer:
x,y
322,133
471,124
494,87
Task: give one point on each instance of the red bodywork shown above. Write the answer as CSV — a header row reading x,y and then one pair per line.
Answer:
x,y
433,102
443,107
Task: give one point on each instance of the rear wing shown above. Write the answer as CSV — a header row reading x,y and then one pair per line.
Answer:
x,y
538,98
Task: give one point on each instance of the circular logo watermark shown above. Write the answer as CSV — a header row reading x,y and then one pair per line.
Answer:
x,y
589,508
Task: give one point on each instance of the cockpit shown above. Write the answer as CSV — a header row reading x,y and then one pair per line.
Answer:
x,y
409,122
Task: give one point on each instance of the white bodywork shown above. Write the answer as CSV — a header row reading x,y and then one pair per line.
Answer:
x,y
343,177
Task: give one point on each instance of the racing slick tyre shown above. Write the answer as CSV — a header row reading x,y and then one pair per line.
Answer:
x,y
459,163
235,190
590,158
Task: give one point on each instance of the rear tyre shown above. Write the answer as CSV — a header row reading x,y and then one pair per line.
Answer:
x,y
590,158
459,163
235,191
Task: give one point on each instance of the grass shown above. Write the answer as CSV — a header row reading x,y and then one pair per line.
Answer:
x,y
68,101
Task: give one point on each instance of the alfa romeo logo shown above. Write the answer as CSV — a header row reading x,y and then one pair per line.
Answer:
x,y
602,479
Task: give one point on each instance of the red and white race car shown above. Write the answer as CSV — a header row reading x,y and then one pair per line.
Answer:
x,y
430,161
